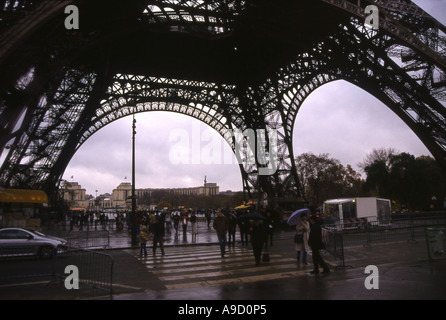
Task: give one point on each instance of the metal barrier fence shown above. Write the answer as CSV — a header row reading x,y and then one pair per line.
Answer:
x,y
95,269
337,237
420,221
334,244
436,243
83,238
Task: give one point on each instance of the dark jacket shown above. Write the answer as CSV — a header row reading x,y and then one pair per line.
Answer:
x,y
258,234
221,225
315,237
158,229
232,224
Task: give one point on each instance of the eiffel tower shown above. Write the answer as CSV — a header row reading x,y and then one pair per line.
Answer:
x,y
70,67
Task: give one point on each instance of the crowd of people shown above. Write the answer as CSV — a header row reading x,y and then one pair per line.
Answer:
x,y
255,229
260,229
86,219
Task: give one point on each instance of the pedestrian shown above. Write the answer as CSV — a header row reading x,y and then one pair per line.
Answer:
x,y
119,223
176,221
221,227
158,234
208,218
143,238
244,230
91,216
81,220
258,239
316,244
302,229
269,227
232,226
102,220
71,222
184,221
168,221
152,219
193,222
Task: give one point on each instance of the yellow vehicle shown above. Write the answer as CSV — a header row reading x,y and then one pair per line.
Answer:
x,y
20,208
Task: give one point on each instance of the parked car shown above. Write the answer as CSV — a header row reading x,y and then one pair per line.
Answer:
x,y
18,241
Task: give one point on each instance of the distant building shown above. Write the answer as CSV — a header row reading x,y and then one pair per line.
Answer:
x,y
75,195
73,192
124,191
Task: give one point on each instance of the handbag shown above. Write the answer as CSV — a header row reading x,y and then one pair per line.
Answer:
x,y
298,238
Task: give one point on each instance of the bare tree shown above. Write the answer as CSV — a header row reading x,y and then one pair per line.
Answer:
x,y
381,154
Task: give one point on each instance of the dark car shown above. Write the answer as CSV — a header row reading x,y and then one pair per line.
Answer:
x,y
18,241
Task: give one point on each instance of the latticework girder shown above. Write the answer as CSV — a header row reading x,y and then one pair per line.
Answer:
x,y
232,64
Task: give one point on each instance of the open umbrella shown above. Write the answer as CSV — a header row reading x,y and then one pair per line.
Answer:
x,y
242,207
296,215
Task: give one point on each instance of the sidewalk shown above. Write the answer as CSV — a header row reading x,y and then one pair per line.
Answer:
x,y
405,272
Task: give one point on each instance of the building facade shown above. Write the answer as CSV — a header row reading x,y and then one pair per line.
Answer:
x,y
73,192
124,191
121,196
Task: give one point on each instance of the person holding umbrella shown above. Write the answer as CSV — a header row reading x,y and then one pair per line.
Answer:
x,y
302,229
299,219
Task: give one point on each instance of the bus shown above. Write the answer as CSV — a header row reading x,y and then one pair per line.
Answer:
x,y
21,208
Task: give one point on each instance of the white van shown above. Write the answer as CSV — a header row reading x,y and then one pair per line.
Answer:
x,y
357,212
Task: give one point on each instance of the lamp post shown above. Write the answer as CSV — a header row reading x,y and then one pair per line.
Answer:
x,y
134,240
96,202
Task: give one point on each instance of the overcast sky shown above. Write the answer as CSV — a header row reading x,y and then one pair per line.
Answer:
x,y
338,118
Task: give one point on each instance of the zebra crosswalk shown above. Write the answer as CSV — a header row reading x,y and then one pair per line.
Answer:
x,y
199,266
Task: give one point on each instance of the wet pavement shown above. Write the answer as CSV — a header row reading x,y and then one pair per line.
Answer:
x,y
404,269
193,270
205,235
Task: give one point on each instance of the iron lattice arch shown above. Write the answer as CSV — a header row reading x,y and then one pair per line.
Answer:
x,y
232,64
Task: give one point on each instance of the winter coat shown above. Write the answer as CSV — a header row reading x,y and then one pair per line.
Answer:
x,y
158,229
258,234
221,225
232,224
315,237
303,228
143,235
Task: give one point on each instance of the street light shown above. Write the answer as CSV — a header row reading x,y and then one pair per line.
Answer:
x,y
96,201
134,241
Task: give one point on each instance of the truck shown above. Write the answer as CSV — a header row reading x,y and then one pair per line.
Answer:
x,y
358,212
